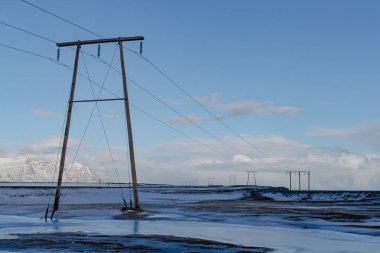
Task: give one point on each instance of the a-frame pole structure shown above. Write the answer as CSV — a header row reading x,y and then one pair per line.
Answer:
x,y
254,176
78,45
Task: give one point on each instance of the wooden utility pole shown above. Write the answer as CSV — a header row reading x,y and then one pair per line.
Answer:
x,y
299,180
78,45
129,125
290,179
67,131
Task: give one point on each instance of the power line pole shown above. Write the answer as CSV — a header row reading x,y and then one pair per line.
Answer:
x,y
254,176
66,136
290,179
234,180
306,172
308,180
299,180
78,45
129,126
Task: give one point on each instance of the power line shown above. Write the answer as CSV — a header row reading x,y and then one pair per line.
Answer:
x,y
160,71
27,52
142,88
178,131
52,41
58,63
101,119
25,31
102,87
185,117
89,119
200,104
68,21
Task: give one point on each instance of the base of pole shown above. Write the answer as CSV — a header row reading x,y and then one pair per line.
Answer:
x,y
127,210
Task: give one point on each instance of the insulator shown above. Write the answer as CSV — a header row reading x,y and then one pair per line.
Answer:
x,y
98,51
141,47
58,53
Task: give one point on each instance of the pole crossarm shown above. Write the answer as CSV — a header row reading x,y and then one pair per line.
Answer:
x,y
99,41
98,100
297,171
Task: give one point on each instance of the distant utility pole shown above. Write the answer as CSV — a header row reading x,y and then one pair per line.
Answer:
x,y
299,180
234,180
210,181
290,179
254,176
298,172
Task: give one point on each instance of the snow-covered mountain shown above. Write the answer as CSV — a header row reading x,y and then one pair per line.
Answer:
x,y
22,169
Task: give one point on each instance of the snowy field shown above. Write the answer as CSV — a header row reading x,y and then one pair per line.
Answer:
x,y
185,219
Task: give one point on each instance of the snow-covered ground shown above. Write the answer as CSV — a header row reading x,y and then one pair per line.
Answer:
x,y
333,196
224,215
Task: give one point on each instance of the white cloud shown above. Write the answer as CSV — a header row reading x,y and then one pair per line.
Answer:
x,y
47,149
45,113
180,121
239,108
183,161
3,151
331,168
211,101
243,159
247,107
52,142
284,110
353,161
368,134
233,109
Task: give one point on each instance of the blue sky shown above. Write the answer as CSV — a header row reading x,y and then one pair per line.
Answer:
x,y
319,59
